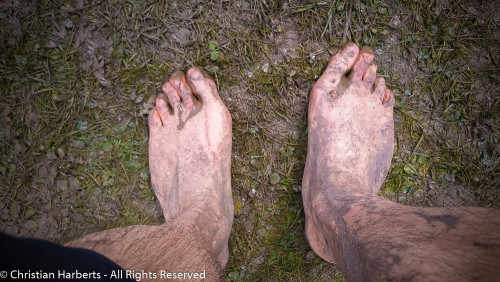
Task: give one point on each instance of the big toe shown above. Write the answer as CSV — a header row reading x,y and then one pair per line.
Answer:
x,y
338,66
202,85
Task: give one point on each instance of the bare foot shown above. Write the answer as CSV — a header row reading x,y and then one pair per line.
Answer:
x,y
351,136
190,155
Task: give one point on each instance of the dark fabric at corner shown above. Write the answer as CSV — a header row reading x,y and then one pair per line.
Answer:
x,y
25,255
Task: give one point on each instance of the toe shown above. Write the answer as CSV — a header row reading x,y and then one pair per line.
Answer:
x,y
162,107
380,88
202,85
339,65
173,97
365,57
154,118
388,100
384,93
178,81
342,62
370,76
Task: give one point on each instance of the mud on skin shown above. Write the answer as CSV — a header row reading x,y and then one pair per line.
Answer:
x,y
350,148
189,159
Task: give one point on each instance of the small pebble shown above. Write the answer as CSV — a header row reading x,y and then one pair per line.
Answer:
x,y
61,152
310,255
274,179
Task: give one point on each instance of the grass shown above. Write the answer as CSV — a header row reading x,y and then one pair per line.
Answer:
x,y
441,46
74,134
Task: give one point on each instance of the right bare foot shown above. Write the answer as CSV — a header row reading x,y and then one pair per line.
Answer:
x,y
350,142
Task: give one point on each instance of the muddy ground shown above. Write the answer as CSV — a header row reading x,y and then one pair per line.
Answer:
x,y
77,79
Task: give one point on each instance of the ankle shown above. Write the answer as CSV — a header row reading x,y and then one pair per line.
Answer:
x,y
338,183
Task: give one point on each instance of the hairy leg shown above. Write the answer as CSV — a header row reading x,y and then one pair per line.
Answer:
x,y
350,146
173,247
189,158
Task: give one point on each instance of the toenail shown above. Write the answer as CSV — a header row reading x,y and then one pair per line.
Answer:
x,y
349,50
177,76
196,74
163,97
367,49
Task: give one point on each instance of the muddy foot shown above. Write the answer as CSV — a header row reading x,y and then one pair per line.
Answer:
x,y
190,154
351,133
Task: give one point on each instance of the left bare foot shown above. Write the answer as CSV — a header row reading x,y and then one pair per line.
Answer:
x,y
190,155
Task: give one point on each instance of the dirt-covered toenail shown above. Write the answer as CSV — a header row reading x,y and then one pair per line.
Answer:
x,y
154,118
388,98
350,50
175,79
195,74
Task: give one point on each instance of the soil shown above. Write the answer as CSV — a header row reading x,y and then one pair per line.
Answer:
x,y
78,78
